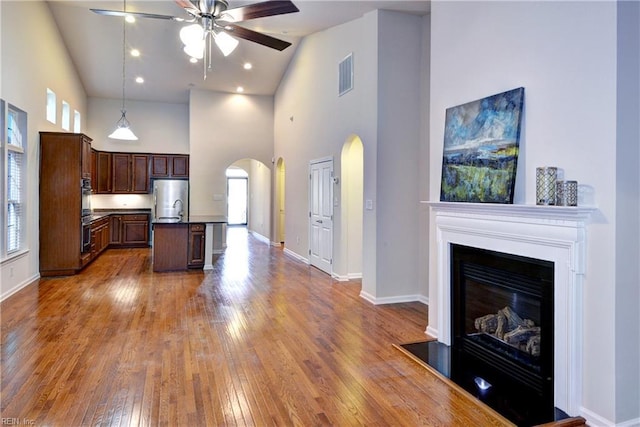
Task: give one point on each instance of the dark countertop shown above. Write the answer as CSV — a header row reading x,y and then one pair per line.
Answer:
x,y
101,213
196,219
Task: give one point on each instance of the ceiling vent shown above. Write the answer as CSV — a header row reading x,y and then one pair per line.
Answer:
x,y
345,75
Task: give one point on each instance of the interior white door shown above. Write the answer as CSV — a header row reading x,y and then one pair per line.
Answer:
x,y
321,214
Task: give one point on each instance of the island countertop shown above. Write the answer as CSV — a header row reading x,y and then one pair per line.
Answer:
x,y
195,219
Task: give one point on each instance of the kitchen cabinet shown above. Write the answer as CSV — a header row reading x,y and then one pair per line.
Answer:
x,y
169,166
101,180
85,161
129,230
65,158
100,236
130,173
196,245
170,242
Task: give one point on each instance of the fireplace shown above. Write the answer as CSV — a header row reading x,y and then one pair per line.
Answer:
x,y
502,330
551,236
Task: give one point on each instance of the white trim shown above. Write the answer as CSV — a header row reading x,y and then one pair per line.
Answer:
x,y
556,234
393,300
594,419
349,276
294,255
260,237
20,286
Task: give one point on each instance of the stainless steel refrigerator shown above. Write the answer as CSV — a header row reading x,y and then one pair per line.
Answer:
x,y
170,200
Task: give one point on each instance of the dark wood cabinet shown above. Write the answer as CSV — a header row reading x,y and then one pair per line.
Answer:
x,y
65,158
130,173
169,166
129,230
116,226
100,236
196,245
102,181
170,242
86,156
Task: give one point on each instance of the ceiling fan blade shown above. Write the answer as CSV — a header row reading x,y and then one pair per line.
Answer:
x,y
256,37
136,14
258,10
189,7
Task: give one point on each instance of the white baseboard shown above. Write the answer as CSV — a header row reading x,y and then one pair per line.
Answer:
x,y
431,332
347,277
394,300
260,237
294,255
19,286
596,420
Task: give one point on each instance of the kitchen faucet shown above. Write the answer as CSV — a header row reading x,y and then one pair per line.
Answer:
x,y
180,212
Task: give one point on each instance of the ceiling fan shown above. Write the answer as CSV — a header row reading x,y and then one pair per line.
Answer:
x,y
214,21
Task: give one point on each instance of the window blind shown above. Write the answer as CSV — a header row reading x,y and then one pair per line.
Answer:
x,y
14,200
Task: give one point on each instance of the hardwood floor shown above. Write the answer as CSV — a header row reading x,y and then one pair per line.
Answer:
x,y
260,340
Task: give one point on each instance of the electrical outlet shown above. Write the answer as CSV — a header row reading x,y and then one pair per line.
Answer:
x,y
10,271
297,239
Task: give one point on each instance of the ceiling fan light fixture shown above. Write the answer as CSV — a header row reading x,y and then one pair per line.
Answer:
x,y
192,34
225,42
195,50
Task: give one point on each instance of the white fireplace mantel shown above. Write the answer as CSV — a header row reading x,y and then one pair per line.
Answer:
x,y
551,233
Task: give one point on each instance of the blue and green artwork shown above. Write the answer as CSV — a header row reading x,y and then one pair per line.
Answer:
x,y
481,149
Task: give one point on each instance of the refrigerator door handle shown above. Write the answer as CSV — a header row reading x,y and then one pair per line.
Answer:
x,y
155,202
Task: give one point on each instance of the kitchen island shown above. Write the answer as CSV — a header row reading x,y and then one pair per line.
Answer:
x,y
190,243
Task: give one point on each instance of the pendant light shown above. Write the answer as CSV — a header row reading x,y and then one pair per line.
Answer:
x,y
123,130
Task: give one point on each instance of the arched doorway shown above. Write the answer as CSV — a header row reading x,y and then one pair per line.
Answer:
x,y
279,202
352,201
258,194
237,195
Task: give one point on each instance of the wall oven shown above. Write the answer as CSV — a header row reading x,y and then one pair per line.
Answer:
x,y
86,234
85,191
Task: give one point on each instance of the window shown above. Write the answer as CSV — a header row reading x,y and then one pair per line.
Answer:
x,y
77,122
15,169
51,106
66,115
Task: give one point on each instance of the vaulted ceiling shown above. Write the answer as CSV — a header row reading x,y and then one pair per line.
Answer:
x,y
95,46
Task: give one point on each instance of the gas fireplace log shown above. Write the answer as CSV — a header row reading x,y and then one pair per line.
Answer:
x,y
487,324
512,317
521,335
533,346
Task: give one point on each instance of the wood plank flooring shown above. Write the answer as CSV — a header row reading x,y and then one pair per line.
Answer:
x,y
260,340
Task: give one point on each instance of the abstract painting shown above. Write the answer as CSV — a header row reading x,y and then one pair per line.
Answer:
x,y
481,149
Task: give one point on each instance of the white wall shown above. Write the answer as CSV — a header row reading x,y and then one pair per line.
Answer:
x,y
34,58
259,196
225,128
160,127
564,54
628,214
312,121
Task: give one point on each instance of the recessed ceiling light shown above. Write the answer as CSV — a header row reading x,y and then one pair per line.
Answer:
x,y
193,60
139,80
239,89
247,66
130,19
135,52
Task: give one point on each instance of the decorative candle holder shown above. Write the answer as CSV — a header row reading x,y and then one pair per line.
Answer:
x,y
571,193
567,193
546,178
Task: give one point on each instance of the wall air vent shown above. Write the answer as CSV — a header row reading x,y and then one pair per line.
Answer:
x,y
345,75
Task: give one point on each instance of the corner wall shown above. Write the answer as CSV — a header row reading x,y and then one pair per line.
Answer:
x,y
384,111
564,54
33,58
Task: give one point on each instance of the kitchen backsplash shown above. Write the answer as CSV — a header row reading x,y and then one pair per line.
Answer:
x,y
129,201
